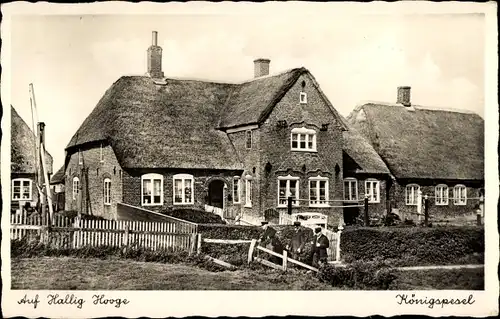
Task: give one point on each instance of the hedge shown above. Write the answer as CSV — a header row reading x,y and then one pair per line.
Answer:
x,y
194,215
412,246
358,275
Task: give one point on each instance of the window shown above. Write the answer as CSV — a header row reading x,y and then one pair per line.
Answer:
x,y
107,191
152,189
183,189
21,189
248,191
102,154
76,187
303,139
460,195
249,139
236,190
441,192
303,98
412,194
350,189
80,157
372,189
288,186
318,191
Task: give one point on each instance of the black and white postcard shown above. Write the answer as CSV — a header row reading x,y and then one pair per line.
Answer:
x,y
249,159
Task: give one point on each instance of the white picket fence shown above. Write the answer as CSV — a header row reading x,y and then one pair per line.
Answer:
x,y
77,233
148,235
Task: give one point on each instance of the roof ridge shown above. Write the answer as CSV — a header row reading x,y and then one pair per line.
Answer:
x,y
360,104
273,75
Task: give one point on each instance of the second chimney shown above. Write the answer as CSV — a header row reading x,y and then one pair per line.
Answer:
x,y
404,95
261,67
154,58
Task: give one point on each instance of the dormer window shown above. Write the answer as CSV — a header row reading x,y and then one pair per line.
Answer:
x,y
303,98
303,139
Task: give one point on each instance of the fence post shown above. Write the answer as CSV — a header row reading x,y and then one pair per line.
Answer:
x,y
367,217
285,259
250,251
289,205
198,246
480,212
193,244
337,250
426,211
125,240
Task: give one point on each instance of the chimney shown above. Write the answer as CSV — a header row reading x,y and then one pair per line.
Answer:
x,y
261,67
154,58
404,95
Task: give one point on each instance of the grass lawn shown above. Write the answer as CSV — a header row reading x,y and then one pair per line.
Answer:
x,y
456,279
64,273
67,273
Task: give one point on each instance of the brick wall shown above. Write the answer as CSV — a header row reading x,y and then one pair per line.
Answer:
x,y
375,210
251,163
91,197
428,188
275,149
202,180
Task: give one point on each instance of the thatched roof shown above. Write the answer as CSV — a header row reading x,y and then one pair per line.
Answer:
x,y
58,177
251,102
23,147
421,142
180,124
161,126
363,153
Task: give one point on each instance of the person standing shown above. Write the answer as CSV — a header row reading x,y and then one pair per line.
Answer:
x,y
319,245
271,242
297,242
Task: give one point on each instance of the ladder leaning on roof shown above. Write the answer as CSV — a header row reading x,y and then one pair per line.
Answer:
x,y
41,165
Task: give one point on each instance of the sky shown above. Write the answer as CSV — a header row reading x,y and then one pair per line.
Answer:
x,y
73,59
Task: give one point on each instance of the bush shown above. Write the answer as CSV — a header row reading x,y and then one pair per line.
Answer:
x,y
358,275
412,246
194,215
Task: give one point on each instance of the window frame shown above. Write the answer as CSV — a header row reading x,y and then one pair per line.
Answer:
x,y
289,178
307,133
444,199
80,157
183,178
370,195
303,97
152,177
248,191
319,179
107,191
75,190
414,202
237,185
21,185
355,181
457,200
248,137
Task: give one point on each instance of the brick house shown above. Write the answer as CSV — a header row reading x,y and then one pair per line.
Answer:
x,y
23,163
163,143
437,151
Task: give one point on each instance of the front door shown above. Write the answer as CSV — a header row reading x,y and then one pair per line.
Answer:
x,y
216,194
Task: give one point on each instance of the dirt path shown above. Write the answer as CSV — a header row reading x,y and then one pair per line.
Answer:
x,y
441,267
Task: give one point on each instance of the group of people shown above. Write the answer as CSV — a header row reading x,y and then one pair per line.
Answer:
x,y
296,245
